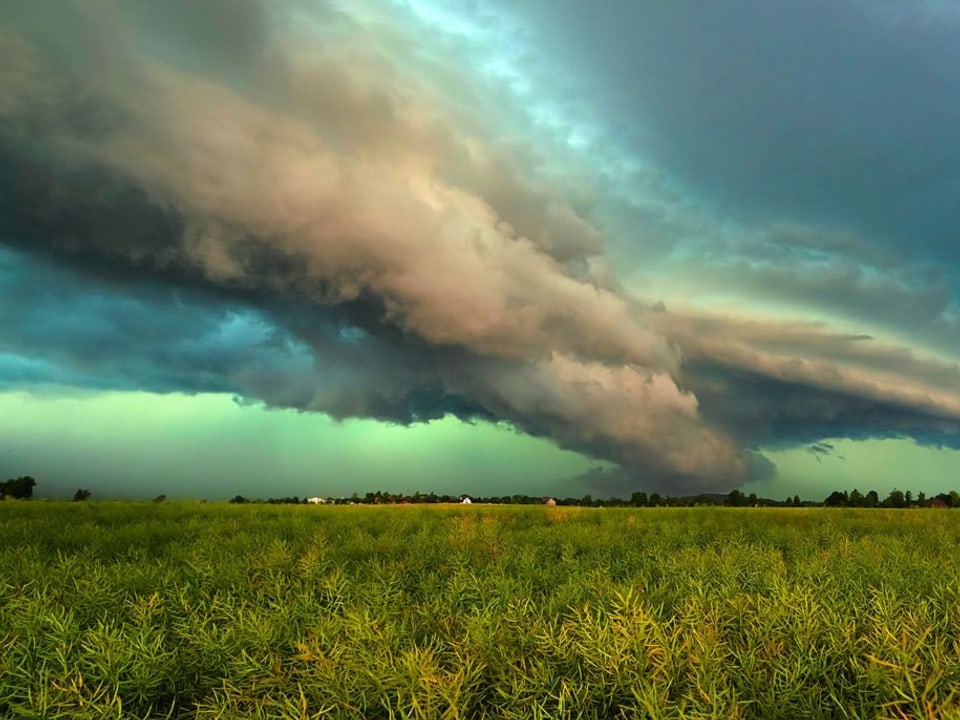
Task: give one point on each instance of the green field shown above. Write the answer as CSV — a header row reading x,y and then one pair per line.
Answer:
x,y
117,610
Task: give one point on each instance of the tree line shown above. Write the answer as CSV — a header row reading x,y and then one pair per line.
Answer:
x,y
22,488
735,498
896,499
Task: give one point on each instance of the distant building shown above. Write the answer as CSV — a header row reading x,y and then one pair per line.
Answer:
x,y
317,501
550,501
465,500
937,503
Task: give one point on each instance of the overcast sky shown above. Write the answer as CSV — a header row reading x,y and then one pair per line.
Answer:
x,y
480,246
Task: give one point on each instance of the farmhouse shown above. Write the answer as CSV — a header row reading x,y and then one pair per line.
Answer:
x,y
465,500
317,501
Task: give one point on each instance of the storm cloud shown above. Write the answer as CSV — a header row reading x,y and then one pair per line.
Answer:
x,y
367,210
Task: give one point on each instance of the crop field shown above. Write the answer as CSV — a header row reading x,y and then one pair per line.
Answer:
x,y
183,610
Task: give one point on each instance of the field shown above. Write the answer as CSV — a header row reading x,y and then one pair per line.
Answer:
x,y
176,610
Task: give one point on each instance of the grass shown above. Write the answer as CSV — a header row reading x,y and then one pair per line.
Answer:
x,y
130,610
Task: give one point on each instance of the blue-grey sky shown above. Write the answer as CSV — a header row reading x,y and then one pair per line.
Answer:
x,y
696,245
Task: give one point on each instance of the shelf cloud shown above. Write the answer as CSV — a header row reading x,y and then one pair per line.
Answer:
x,y
394,211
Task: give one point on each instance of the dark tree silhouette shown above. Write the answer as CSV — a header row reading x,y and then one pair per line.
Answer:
x,y
896,499
20,488
836,499
735,499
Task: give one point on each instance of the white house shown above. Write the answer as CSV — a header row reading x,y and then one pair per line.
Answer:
x,y
465,500
317,501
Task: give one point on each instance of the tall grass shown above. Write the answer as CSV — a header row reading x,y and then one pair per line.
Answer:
x,y
127,610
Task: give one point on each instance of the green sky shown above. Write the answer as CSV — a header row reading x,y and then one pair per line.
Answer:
x,y
141,445
880,465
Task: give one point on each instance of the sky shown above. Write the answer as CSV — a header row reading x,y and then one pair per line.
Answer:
x,y
479,246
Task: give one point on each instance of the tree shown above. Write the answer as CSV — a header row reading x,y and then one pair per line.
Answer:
x,y
81,494
638,499
856,498
872,499
20,488
895,499
239,499
735,499
836,499
160,498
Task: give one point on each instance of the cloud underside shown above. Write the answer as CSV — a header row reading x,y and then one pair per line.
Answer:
x,y
312,212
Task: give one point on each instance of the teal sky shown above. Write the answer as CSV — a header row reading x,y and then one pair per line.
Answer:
x,y
141,445
209,446
487,246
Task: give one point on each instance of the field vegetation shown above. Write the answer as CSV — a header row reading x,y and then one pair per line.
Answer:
x,y
177,610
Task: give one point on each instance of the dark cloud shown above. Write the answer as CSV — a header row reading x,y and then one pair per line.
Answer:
x,y
764,411
66,327
823,449
622,482
828,110
102,329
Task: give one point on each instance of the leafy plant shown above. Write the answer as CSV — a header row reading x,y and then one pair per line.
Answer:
x,y
177,610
